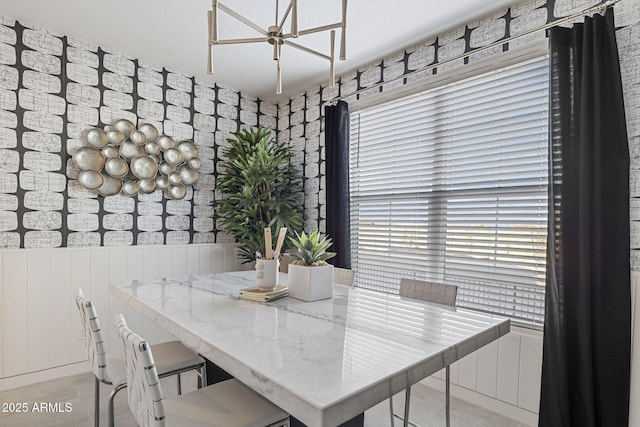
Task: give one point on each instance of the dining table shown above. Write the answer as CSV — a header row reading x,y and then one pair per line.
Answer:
x,y
324,362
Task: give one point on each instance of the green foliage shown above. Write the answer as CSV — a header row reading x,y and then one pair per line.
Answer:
x,y
311,249
261,188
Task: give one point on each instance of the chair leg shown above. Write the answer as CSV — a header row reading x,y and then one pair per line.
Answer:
x,y
179,382
391,410
202,379
448,395
112,396
96,403
406,406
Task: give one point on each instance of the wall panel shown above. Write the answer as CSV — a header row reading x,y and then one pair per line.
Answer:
x,y
40,325
63,307
14,310
38,311
530,373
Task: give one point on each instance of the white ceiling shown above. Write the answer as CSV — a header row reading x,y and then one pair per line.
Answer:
x,y
173,33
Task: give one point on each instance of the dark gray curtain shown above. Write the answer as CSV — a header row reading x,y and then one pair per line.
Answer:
x,y
336,127
587,332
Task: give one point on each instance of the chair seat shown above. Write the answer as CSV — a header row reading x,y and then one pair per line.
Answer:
x,y
172,356
225,404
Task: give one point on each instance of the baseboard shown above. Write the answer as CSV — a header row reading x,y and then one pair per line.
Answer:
x,y
497,406
44,375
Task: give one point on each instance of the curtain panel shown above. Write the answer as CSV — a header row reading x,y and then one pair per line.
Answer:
x,y
337,177
587,332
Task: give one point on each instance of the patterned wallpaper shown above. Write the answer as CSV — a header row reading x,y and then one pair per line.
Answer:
x,y
52,90
301,119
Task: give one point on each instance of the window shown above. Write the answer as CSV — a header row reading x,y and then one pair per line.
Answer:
x,y
450,185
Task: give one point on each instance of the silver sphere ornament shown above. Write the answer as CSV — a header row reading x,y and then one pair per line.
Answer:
x,y
130,188
150,131
172,156
195,163
156,158
189,176
166,142
143,167
177,191
116,167
188,150
125,126
97,138
152,147
138,138
165,168
110,187
110,152
162,182
175,178
88,158
115,137
91,179
147,186
129,150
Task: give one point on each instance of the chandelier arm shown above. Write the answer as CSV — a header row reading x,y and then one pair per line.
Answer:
x,y
284,17
306,49
321,28
242,19
248,40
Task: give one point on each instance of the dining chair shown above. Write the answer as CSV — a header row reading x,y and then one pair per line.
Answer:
x,y
343,276
439,293
285,260
225,404
173,358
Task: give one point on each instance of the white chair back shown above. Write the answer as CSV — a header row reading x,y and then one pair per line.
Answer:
x,y
343,276
94,343
429,291
144,392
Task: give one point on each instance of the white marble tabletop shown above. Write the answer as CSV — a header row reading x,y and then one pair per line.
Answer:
x,y
323,362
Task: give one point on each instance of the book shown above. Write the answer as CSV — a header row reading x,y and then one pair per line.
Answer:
x,y
260,295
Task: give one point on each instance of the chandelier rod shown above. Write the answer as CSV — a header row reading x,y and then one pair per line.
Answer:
x,y
306,49
284,18
321,28
248,40
243,19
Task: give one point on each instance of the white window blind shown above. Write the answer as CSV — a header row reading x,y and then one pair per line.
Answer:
x,y
450,185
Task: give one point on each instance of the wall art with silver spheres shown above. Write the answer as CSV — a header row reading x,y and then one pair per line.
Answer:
x,y
126,160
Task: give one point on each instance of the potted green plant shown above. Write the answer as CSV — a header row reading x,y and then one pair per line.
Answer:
x,y
310,277
260,188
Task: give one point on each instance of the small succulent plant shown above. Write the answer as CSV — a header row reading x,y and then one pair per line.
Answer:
x,y
311,250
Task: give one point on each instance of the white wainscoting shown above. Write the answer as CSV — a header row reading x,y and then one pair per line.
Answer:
x,y
39,322
503,376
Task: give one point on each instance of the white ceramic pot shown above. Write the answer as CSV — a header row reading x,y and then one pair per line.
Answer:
x,y
310,283
267,273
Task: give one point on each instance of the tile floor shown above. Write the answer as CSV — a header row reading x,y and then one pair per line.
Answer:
x,y
427,406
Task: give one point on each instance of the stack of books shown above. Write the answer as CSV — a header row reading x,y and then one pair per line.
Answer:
x,y
257,294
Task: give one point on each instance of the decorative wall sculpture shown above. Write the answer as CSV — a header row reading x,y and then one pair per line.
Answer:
x,y
123,159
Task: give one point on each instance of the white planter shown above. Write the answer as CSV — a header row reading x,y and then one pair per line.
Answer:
x,y
310,283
